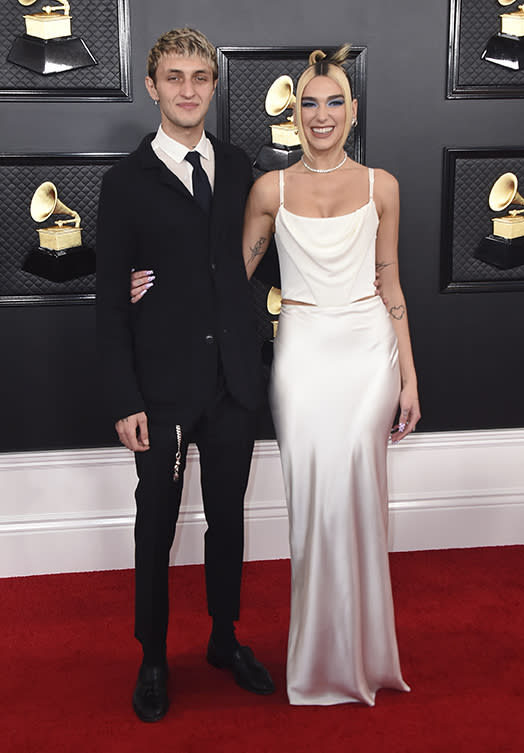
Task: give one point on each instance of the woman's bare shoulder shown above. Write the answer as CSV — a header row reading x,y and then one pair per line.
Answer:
x,y
385,180
265,191
386,191
267,183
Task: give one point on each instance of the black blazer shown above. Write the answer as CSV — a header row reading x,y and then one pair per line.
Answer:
x,y
160,355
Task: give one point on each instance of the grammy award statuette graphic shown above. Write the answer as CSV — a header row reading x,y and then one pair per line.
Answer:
x,y
48,45
60,255
506,48
504,247
284,149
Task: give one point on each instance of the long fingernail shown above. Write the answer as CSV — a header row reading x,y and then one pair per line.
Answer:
x,y
151,277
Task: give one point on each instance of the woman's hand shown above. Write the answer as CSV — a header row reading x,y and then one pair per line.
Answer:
x,y
141,281
409,414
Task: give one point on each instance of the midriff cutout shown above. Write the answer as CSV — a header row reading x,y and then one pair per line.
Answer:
x,y
297,303
302,303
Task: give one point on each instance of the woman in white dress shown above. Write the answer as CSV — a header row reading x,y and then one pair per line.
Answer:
x,y
342,364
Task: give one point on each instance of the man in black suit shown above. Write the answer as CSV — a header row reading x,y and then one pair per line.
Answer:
x,y
183,363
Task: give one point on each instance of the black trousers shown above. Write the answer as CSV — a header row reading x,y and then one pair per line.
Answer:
x,y
224,435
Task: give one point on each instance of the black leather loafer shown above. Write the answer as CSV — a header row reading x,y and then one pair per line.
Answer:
x,y
249,673
150,700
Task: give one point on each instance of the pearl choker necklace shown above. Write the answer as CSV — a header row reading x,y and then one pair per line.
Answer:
x,y
327,170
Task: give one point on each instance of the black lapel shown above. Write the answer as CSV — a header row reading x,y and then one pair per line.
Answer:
x,y
149,161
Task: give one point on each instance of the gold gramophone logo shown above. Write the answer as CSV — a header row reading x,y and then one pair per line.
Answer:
x,y
503,194
504,246
280,98
48,45
273,305
52,22
506,47
63,234
60,255
285,147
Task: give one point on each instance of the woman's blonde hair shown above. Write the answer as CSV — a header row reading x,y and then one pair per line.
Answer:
x,y
321,64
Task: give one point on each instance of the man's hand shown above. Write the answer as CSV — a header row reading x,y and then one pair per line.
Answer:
x,y
378,284
132,432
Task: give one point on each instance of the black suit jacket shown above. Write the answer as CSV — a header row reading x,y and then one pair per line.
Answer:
x,y
160,355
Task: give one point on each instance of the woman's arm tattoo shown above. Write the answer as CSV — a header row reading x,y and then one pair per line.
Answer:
x,y
383,264
397,312
255,250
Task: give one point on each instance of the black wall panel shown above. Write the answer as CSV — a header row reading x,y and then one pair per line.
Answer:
x,y
469,347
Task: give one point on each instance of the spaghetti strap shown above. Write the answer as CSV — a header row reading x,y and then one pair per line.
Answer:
x,y
281,178
371,173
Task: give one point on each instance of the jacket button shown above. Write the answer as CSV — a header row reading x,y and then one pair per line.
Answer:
x,y
209,339
213,266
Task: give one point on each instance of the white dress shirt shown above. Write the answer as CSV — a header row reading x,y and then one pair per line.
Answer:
x,y
173,153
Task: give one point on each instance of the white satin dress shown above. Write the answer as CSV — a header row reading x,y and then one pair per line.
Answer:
x,y
335,390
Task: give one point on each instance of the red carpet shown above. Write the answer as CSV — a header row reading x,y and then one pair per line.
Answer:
x,y
69,664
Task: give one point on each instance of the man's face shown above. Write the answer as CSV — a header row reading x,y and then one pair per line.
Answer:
x,y
184,88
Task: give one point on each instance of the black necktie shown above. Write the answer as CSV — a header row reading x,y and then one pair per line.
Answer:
x,y
201,187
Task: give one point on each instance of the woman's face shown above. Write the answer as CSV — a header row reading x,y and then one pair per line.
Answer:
x,y
324,112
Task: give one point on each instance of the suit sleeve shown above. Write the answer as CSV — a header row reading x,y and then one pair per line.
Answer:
x,y
248,171
115,249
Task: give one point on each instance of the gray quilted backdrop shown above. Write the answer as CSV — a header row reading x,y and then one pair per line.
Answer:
x,y
49,371
78,182
95,21
478,21
470,219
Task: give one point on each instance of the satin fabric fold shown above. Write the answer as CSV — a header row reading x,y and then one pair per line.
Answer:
x,y
334,393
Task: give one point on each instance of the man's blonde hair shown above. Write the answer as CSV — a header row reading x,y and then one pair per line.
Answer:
x,y
186,42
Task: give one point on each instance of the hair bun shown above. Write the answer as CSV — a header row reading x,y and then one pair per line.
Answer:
x,y
316,56
341,55
336,58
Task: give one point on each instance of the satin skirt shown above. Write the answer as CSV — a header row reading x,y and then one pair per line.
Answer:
x,y
334,394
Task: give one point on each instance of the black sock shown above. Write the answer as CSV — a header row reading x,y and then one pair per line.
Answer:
x,y
155,657
223,635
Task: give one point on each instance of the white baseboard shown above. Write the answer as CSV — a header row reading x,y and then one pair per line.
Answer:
x,y
70,511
